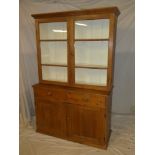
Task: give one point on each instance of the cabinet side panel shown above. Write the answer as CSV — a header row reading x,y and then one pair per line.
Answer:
x,y
112,42
108,117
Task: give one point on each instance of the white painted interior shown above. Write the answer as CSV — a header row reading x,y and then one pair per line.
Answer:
x,y
93,29
54,52
48,30
91,76
93,53
53,73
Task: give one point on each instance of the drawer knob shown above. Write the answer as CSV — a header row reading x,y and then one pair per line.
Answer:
x,y
86,99
49,93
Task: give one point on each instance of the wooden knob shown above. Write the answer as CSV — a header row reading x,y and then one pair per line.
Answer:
x,y
49,93
86,98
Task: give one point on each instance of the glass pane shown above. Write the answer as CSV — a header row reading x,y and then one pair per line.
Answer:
x,y
56,30
92,29
52,73
54,52
91,76
93,53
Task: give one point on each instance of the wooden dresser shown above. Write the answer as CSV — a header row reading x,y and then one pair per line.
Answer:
x,y
75,53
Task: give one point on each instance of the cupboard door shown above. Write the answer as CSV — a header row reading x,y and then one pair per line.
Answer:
x,y
86,125
91,52
53,51
51,118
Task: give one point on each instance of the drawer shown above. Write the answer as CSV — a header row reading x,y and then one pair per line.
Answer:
x,y
49,94
86,99
74,97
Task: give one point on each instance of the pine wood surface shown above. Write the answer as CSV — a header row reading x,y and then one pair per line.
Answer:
x,y
76,112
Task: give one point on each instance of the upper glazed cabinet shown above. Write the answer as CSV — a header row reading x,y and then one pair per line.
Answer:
x,y
77,50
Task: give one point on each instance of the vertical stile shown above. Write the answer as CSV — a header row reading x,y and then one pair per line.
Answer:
x,y
71,55
38,50
111,51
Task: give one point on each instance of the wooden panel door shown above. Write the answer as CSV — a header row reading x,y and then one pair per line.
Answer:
x,y
86,125
51,118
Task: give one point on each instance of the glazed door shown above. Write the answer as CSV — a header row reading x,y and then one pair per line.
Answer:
x,y
53,51
91,52
51,118
86,124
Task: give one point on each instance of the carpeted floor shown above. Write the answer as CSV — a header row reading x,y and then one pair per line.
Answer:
x,y
121,141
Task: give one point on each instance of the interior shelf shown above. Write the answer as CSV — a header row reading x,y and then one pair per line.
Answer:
x,y
75,39
91,66
91,39
59,65
53,39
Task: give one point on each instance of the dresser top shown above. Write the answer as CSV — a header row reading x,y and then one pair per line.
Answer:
x,y
106,10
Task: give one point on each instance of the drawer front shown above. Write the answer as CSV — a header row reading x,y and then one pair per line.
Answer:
x,y
85,99
74,97
49,94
